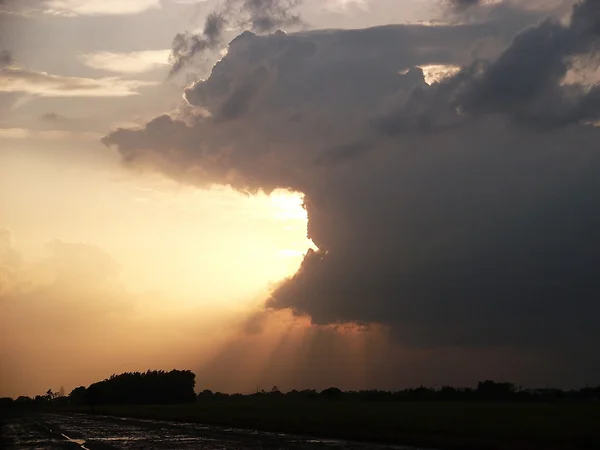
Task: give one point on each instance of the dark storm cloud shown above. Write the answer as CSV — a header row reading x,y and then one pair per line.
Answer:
x,y
286,85
525,82
438,210
186,46
480,236
268,15
260,16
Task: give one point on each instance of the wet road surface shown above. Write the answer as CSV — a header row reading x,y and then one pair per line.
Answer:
x,y
80,431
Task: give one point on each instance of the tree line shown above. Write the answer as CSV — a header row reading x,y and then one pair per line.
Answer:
x,y
177,386
154,387
485,391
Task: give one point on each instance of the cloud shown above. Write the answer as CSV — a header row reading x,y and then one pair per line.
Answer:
x,y
25,133
525,82
52,117
260,16
127,63
257,70
459,214
288,84
17,79
525,12
74,8
14,133
98,7
438,72
52,127
341,6
6,59
269,15
464,4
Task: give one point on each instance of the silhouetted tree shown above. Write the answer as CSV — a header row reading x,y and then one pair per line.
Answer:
x,y
275,392
6,402
490,390
331,393
23,400
306,394
205,394
221,395
151,387
160,387
77,396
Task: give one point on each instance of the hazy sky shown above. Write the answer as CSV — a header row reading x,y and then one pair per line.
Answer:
x,y
155,156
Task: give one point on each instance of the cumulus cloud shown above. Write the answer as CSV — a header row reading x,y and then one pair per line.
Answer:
x,y
316,79
260,16
459,213
14,79
525,82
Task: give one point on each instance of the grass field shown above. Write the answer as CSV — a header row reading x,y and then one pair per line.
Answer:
x,y
445,425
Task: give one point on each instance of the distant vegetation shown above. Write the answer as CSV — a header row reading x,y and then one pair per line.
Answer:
x,y
149,388
154,387
485,391
177,386
493,415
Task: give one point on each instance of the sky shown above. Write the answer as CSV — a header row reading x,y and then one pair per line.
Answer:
x,y
354,193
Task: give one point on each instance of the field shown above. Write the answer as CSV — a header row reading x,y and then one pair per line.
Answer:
x,y
442,425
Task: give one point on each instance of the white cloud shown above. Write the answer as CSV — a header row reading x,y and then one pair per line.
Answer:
x,y
99,7
16,79
129,63
14,133
59,135
584,71
344,5
434,73
53,135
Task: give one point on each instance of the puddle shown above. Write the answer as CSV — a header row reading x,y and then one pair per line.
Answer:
x,y
79,442
132,434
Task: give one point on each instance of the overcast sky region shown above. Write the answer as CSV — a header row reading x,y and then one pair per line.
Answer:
x,y
359,193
